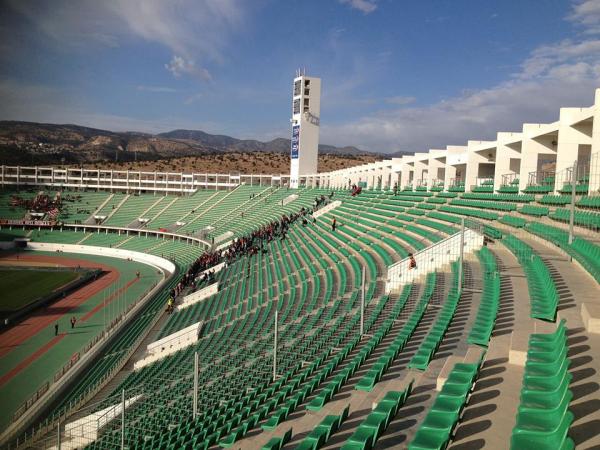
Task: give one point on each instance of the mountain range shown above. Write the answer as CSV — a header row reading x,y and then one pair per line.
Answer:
x,y
28,143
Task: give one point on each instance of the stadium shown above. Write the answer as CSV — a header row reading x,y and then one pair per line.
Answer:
x,y
443,299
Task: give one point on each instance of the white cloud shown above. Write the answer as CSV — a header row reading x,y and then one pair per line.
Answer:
x,y
546,57
187,27
555,75
157,89
366,6
587,14
477,115
194,31
547,82
179,66
400,100
191,29
193,99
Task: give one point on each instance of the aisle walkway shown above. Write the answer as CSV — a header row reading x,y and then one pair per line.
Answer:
x,y
490,416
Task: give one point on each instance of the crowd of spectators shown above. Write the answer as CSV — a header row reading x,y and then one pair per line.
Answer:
x,y
250,245
42,204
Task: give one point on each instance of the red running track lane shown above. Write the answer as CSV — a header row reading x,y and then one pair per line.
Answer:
x,y
44,317
35,355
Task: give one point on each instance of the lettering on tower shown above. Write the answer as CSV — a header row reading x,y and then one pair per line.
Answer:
x,y
311,118
295,141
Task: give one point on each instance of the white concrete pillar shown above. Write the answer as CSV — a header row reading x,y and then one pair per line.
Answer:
x,y
456,156
480,154
508,161
574,142
595,166
539,142
436,167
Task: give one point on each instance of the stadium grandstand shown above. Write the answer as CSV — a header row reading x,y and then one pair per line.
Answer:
x,y
449,298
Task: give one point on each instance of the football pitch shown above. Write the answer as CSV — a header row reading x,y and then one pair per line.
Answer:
x,y
20,287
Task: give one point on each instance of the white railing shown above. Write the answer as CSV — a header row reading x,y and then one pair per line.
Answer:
x,y
131,180
432,258
83,431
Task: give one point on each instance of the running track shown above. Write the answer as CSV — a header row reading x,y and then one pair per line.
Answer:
x,y
44,317
31,358
41,319
40,351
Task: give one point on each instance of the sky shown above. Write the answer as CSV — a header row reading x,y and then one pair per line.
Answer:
x,y
397,75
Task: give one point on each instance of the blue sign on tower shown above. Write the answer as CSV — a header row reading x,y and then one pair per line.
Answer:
x,y
295,141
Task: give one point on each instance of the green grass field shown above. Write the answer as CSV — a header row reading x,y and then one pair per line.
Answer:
x,y
20,287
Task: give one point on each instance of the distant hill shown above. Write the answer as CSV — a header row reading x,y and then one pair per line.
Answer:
x,y
399,154
227,143
28,143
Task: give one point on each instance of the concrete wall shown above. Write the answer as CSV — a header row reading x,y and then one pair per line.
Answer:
x,y
198,296
325,209
168,345
151,260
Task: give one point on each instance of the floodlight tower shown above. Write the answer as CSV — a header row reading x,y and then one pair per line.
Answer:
x,y
306,109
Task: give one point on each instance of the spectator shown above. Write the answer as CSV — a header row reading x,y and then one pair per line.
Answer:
x,y
412,263
56,329
333,224
73,320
